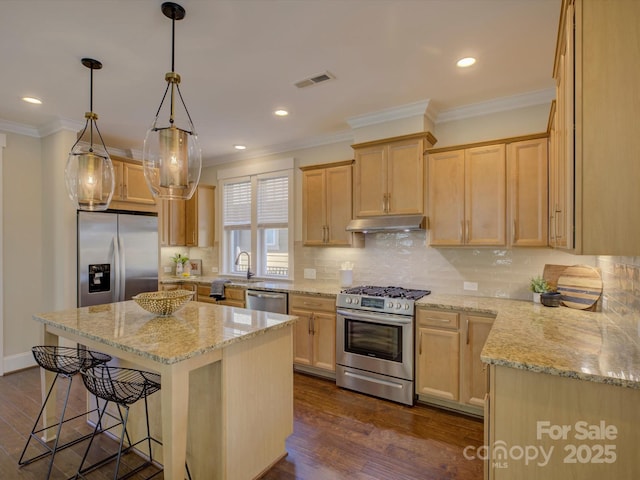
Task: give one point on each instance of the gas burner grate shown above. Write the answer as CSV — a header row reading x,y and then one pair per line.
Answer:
x,y
390,292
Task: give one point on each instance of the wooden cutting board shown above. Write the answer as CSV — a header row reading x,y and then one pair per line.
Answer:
x,y
580,286
551,274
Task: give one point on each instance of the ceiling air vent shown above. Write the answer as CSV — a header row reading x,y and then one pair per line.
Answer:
x,y
307,82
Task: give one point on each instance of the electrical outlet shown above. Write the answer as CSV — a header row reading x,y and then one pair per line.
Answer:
x,y
471,286
167,269
310,273
214,269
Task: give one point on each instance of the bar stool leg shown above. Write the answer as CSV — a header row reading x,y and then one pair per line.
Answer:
x,y
50,450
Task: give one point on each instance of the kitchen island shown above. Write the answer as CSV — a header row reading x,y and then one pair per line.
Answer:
x,y
227,380
564,390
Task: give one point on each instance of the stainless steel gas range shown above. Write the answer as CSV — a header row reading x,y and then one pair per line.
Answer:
x,y
375,341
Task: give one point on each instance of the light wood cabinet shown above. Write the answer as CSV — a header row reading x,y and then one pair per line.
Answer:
x,y
389,175
467,199
438,355
180,286
234,297
474,386
131,191
189,222
203,294
326,204
524,406
597,115
314,333
527,193
449,371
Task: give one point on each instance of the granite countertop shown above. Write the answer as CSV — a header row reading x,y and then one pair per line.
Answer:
x,y
592,346
194,329
307,288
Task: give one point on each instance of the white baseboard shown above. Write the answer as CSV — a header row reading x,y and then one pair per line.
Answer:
x,y
19,361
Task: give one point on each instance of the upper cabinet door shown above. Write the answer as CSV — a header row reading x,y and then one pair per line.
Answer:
x,y
370,181
135,186
485,195
339,198
527,189
446,198
314,210
405,177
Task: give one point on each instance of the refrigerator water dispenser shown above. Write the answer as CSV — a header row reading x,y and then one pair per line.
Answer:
x,y
99,277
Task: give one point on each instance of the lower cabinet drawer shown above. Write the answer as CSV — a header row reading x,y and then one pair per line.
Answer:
x,y
437,318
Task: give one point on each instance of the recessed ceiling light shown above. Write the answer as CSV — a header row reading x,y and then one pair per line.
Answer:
x,y
281,113
34,100
240,147
466,62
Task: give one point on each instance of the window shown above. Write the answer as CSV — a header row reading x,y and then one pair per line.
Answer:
x,y
256,220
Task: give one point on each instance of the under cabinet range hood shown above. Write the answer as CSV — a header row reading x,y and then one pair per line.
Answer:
x,y
387,223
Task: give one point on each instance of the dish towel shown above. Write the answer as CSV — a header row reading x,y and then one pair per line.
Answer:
x,y
217,289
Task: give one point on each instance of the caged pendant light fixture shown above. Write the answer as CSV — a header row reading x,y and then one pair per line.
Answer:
x,y
89,175
171,156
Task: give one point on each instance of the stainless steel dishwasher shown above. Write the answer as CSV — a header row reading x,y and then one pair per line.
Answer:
x,y
275,302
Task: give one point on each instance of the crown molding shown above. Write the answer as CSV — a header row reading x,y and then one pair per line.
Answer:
x,y
503,104
390,114
18,128
60,124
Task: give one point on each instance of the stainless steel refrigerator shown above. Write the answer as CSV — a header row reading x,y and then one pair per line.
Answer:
x,y
117,256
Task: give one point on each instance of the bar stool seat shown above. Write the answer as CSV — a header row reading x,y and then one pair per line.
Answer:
x,y
65,362
124,387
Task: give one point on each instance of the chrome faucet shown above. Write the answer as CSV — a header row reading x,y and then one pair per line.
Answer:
x,y
249,273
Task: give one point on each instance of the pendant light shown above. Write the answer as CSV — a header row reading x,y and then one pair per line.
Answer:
x,y
171,155
89,173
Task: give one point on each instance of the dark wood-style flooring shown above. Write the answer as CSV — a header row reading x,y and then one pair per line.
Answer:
x,y
338,434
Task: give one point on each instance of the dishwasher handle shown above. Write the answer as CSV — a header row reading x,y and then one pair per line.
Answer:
x,y
275,296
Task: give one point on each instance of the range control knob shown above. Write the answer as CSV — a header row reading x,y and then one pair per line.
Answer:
x,y
398,306
348,300
406,306
356,301
390,305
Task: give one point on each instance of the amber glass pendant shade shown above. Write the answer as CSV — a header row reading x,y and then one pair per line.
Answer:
x,y
89,175
171,156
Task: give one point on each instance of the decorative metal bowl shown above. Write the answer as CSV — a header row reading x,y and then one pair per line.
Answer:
x,y
163,303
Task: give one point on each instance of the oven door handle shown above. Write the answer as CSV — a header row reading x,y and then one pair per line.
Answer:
x,y
379,318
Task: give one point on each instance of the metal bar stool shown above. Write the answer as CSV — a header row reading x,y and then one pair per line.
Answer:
x,y
65,362
124,387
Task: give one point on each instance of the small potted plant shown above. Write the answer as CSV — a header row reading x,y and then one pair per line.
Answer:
x,y
179,260
538,285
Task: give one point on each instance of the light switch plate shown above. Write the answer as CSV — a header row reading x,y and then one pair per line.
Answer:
x,y
471,286
310,273
214,269
167,269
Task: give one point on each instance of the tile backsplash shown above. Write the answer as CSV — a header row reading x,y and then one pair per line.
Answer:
x,y
405,259
621,279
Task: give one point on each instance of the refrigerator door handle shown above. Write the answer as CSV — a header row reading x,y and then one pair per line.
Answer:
x,y
116,266
123,276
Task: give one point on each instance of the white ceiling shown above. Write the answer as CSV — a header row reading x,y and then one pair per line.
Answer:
x,y
239,60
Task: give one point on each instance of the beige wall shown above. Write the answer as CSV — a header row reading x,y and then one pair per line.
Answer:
x,y
510,123
39,254
22,242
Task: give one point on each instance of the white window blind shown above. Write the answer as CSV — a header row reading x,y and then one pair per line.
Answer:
x,y
273,202
237,204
